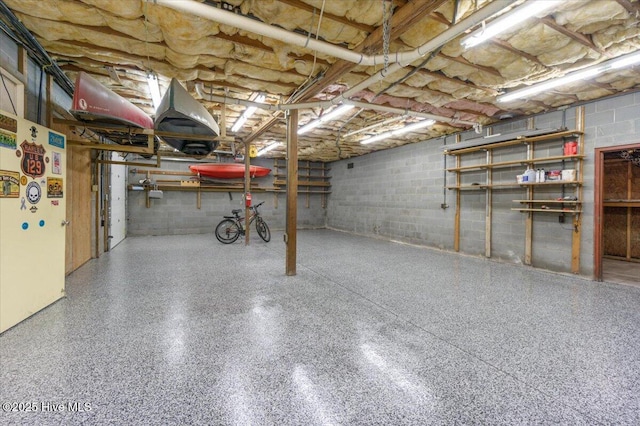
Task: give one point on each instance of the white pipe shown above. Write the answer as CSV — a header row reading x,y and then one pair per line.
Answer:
x,y
257,27
254,26
325,104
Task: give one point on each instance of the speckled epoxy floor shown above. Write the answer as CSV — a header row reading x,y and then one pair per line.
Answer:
x,y
183,330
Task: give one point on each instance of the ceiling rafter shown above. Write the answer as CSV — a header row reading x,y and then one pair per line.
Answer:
x,y
507,46
575,36
632,8
412,12
357,25
441,76
463,61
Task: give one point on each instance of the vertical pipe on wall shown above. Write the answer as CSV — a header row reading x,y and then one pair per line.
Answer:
x,y
290,236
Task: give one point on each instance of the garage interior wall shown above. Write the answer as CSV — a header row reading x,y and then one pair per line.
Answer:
x,y
397,193
177,211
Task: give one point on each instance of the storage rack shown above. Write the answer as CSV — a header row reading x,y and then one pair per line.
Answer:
x,y
526,147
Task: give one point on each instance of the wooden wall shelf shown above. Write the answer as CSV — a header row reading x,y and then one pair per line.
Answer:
x,y
547,149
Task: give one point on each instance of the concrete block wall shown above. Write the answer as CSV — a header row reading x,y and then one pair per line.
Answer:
x,y
397,193
177,212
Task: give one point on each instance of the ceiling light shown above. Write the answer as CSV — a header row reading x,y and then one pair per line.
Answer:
x,y
247,113
623,61
397,132
326,117
508,20
268,148
154,88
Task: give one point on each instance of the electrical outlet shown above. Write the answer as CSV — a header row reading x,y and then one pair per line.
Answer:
x,y
444,206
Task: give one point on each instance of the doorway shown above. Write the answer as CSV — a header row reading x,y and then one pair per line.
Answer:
x,y
617,214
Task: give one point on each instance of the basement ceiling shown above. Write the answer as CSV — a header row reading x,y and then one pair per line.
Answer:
x,y
120,42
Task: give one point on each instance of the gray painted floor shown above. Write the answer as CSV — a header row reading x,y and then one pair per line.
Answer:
x,y
183,330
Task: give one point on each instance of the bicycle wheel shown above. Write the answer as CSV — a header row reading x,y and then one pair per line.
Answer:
x,y
263,230
227,231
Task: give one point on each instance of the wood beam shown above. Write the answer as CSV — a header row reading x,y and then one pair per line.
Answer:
x,y
632,8
290,236
463,61
247,191
441,76
507,46
300,5
401,21
409,13
573,35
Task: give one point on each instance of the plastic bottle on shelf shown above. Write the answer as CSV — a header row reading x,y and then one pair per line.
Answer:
x,y
543,176
530,174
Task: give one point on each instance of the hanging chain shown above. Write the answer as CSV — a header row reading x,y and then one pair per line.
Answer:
x,y
386,31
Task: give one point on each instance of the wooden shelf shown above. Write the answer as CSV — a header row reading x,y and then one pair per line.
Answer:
x,y
517,141
548,201
485,186
529,152
547,210
301,183
283,175
552,182
621,203
501,164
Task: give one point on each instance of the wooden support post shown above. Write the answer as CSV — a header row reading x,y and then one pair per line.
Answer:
x,y
577,219
290,236
247,189
488,206
96,194
308,197
106,205
146,192
528,227
49,119
456,222
23,67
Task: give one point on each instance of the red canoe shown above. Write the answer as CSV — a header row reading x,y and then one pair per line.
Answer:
x,y
93,101
227,170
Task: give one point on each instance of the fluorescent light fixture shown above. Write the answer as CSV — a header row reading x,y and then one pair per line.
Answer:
x,y
326,117
154,88
398,132
621,62
508,20
247,113
268,148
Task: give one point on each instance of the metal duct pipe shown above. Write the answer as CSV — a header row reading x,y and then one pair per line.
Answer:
x,y
257,27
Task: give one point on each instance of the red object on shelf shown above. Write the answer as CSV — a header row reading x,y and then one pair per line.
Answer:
x,y
571,148
227,170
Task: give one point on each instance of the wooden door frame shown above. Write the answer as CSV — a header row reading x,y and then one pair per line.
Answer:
x,y
598,207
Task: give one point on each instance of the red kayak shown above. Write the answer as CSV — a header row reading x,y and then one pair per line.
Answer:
x,y
227,170
94,102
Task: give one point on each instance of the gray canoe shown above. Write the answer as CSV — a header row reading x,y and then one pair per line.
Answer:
x,y
180,113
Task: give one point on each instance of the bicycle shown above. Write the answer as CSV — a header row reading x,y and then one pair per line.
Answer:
x,y
230,228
